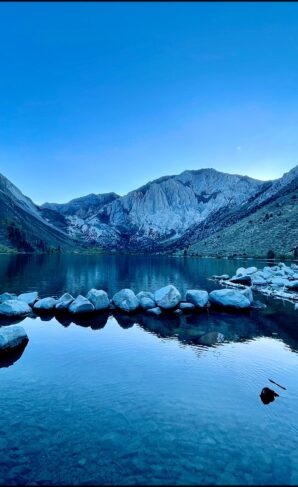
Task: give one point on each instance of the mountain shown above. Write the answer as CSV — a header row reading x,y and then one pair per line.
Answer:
x,y
22,226
159,213
201,212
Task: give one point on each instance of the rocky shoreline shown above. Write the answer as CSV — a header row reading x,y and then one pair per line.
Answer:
x,y
279,281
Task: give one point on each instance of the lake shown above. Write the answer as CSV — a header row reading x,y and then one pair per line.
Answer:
x,y
144,400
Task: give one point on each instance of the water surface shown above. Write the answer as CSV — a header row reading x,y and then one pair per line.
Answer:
x,y
142,400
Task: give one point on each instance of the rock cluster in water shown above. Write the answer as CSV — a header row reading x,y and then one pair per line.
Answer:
x,y
279,281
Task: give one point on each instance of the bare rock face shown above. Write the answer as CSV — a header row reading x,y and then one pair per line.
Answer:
x,y
99,299
229,298
81,305
11,338
126,300
14,307
64,302
197,297
167,297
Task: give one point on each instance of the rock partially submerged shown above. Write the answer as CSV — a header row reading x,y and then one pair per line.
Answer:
x,y
81,305
45,305
230,298
99,299
64,302
29,298
126,300
11,338
14,307
7,296
146,300
167,297
197,297
186,306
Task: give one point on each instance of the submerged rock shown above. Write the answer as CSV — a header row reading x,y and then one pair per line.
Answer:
x,y
231,298
126,300
12,337
268,395
29,298
64,302
197,297
99,299
146,300
154,311
45,304
167,297
14,307
211,338
81,305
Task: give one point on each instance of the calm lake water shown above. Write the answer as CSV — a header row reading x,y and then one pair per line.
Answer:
x,y
144,400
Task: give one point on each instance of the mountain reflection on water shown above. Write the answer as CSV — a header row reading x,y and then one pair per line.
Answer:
x,y
201,329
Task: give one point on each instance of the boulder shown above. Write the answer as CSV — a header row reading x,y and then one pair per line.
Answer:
x,y
64,302
241,271
248,294
258,281
14,307
167,297
186,306
294,266
12,337
197,297
154,311
223,277
81,305
245,280
278,281
29,298
292,284
126,300
229,298
7,296
250,270
45,304
99,299
146,300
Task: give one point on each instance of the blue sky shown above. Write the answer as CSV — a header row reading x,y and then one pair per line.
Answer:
x,y
99,97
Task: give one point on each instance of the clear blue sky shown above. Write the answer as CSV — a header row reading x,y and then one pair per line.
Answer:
x,y
99,97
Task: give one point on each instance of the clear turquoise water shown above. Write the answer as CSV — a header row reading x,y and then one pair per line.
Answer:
x,y
142,400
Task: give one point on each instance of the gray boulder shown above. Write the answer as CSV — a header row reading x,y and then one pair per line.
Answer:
x,y
241,271
45,304
126,300
7,296
146,300
154,311
29,298
99,299
64,302
81,305
229,298
223,277
248,294
292,285
250,270
14,307
12,337
245,280
197,297
167,297
278,281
